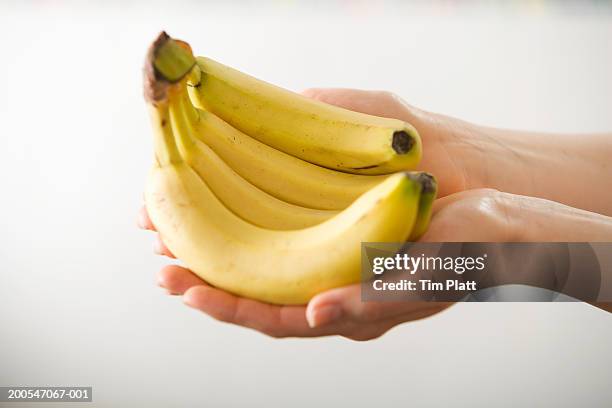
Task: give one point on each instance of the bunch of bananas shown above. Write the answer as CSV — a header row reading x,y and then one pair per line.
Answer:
x,y
266,193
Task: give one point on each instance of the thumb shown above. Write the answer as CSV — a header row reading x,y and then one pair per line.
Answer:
x,y
378,103
345,302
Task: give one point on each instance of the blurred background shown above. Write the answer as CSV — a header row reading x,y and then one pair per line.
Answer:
x,y
79,303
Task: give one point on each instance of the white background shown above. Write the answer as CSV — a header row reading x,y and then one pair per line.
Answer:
x,y
79,303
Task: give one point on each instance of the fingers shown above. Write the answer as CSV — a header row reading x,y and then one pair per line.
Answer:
x,y
345,304
275,321
378,103
144,222
160,248
177,280
143,219
336,312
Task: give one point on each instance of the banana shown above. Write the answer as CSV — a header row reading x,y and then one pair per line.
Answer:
x,y
237,194
246,200
286,177
319,133
273,266
281,267
302,183
428,195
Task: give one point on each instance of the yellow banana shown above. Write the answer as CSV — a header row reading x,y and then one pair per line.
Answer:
x,y
319,133
284,267
237,194
279,174
428,195
302,183
269,167
246,200
272,266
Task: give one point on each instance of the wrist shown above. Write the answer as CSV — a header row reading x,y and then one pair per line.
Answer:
x,y
497,159
518,220
466,156
532,219
450,149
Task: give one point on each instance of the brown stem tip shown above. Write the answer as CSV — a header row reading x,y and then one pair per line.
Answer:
x,y
427,181
167,62
154,86
402,142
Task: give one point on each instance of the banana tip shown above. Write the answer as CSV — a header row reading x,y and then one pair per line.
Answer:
x,y
427,181
402,142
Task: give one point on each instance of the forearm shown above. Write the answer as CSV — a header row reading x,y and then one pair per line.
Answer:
x,y
540,220
572,169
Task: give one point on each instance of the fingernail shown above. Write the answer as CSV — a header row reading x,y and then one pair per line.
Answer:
x,y
323,315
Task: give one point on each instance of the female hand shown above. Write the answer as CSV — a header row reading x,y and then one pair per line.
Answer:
x,y
336,312
567,168
444,139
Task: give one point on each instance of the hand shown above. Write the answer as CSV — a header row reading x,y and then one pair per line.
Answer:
x,y
474,215
340,311
482,215
570,169
443,137
488,215
336,312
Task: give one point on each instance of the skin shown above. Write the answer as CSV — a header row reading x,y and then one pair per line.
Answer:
x,y
514,186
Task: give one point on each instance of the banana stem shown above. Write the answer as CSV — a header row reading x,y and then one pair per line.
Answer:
x,y
168,61
173,60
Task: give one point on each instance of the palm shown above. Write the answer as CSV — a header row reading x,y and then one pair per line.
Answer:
x,y
357,320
